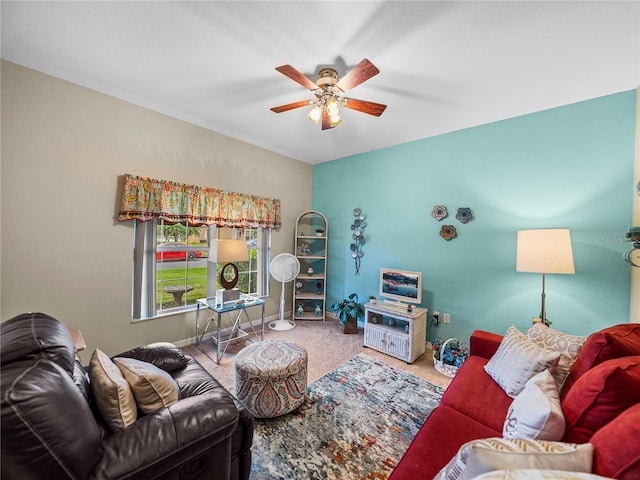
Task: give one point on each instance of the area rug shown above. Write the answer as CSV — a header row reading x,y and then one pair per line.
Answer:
x,y
356,423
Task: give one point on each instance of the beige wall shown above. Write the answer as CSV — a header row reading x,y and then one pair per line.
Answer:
x,y
64,151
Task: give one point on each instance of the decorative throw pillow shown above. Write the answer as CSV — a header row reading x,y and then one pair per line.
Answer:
x,y
152,387
613,454
536,413
612,342
535,474
517,360
164,356
599,396
111,392
568,345
481,456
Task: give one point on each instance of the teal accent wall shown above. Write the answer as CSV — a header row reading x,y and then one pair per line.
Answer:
x,y
568,167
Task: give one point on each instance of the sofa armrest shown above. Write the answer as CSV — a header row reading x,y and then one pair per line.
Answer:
x,y
484,344
171,437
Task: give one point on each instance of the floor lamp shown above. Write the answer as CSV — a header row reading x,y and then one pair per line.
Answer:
x,y
544,251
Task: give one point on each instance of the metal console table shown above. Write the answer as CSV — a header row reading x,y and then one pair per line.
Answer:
x,y
240,307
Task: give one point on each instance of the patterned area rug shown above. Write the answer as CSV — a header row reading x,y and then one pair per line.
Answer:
x,y
356,423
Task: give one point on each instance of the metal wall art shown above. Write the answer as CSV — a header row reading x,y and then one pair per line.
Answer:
x,y
463,215
357,227
448,232
439,212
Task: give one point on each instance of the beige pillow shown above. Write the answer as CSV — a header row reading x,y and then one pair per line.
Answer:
x,y
111,392
481,456
517,360
535,474
536,413
568,345
152,387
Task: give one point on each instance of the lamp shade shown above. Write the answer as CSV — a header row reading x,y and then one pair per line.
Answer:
x,y
226,251
544,251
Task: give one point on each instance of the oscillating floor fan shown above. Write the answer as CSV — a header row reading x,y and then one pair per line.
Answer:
x,y
284,268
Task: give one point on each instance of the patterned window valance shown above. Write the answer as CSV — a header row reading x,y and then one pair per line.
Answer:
x,y
146,199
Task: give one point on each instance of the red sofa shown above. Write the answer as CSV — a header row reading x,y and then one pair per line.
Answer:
x,y
600,400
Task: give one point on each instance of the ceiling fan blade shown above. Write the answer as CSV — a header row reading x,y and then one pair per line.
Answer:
x,y
360,73
291,106
326,122
297,76
363,106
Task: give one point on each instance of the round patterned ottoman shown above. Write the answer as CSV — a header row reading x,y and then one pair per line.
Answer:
x,y
271,377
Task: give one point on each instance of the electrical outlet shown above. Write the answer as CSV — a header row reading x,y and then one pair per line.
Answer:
x,y
446,318
435,318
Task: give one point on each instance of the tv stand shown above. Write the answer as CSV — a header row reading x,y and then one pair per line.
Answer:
x,y
396,303
394,331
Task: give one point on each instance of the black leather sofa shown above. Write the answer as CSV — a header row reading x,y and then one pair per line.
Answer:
x,y
51,427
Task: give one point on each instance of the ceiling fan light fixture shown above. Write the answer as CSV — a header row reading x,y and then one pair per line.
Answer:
x,y
314,114
329,91
335,120
332,107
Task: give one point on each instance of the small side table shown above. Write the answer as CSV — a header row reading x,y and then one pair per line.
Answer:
x,y
240,307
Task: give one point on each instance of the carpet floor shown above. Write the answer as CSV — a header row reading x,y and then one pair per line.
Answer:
x,y
356,423
326,346
362,410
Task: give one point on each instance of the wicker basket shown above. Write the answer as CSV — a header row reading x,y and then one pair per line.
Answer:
x,y
445,369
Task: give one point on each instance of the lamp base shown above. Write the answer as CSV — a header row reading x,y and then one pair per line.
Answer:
x,y
282,325
225,296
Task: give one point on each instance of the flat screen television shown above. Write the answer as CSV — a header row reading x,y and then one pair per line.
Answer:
x,y
401,286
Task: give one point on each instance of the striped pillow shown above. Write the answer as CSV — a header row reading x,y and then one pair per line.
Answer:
x,y
481,456
517,360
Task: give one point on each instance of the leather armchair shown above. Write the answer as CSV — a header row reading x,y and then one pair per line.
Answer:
x,y
51,427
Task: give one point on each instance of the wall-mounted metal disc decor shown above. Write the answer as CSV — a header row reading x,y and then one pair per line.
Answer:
x,y
464,215
448,232
357,236
439,212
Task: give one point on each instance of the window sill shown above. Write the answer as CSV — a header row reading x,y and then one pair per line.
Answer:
x,y
167,313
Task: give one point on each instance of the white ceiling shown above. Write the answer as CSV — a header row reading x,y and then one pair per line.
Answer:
x,y
444,65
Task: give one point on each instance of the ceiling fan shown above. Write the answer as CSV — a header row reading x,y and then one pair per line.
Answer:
x,y
329,91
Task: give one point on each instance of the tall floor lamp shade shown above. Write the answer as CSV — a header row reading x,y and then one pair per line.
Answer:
x,y
227,252
544,251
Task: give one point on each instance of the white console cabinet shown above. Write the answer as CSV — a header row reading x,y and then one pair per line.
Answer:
x,y
393,330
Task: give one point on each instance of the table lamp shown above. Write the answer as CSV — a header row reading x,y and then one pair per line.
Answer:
x,y
228,251
544,251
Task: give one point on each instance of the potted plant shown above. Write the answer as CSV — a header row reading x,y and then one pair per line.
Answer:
x,y
348,311
372,299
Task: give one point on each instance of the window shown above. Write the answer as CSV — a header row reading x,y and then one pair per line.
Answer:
x,y
171,268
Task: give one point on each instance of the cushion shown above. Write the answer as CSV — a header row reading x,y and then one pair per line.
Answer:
x,y
152,387
536,474
164,356
612,342
472,381
111,392
437,441
599,396
614,455
517,360
481,456
536,413
48,428
36,335
568,345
